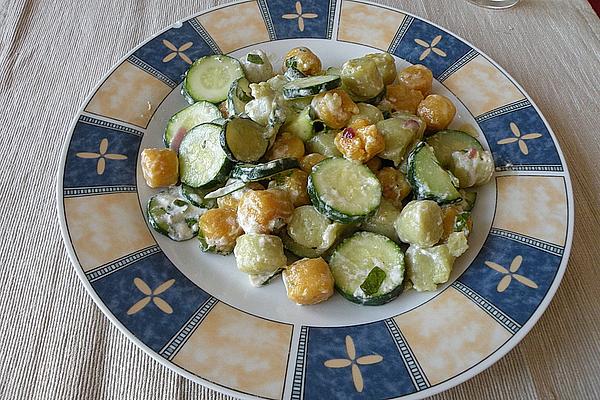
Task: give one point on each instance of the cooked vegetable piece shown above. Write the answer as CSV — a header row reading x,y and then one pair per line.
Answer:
x,y
259,172
437,111
428,179
258,254
472,167
360,141
457,243
243,140
180,123
362,79
219,230
310,160
170,214
468,200
428,267
308,281
417,77
286,145
400,132
334,108
344,191
232,185
446,142
292,74
302,125
312,229
160,167
385,65
238,96
264,211
374,164
402,98
420,223
394,185
257,66
367,112
304,60
324,143
202,161
294,182
259,280
310,86
198,196
210,77
382,222
368,269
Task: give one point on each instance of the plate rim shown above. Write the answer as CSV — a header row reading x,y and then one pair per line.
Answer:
x,y
456,380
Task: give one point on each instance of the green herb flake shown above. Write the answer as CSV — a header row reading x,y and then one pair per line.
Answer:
x,y
371,284
254,59
180,203
460,223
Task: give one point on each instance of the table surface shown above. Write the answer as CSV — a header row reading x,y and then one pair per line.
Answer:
x,y
55,342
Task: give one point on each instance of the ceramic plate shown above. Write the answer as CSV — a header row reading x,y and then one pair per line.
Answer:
x,y
196,314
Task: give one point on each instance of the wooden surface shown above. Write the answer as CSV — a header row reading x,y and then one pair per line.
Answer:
x,y
55,343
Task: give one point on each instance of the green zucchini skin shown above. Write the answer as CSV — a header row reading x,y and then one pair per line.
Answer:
x,y
210,77
197,196
446,142
428,179
184,120
342,263
202,162
310,86
238,96
258,172
363,178
243,140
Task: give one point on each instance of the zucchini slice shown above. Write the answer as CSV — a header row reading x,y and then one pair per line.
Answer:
x,y
233,185
258,172
180,123
368,269
324,143
292,74
259,280
238,96
210,77
468,200
310,86
444,143
428,179
243,140
344,191
197,196
202,161
173,216
303,126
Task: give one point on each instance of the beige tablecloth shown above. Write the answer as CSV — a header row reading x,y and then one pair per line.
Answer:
x,y
55,343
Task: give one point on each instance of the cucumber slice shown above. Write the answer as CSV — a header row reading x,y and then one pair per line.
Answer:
x,y
292,74
368,269
202,161
233,185
197,196
444,143
382,222
258,172
303,126
210,77
428,179
344,191
243,140
180,123
310,86
173,216
238,96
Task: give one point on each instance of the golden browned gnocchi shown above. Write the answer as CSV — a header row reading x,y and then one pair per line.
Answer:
x,y
160,167
334,108
308,281
302,59
437,111
286,145
374,164
232,199
417,77
218,230
293,182
264,211
360,141
402,98
394,185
